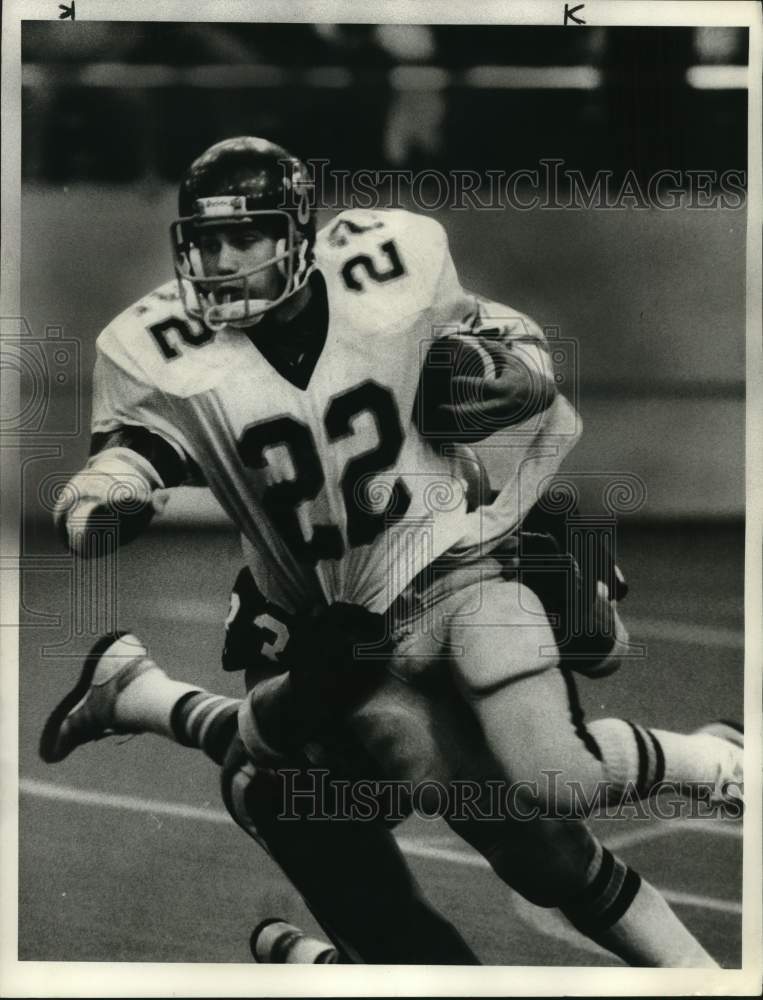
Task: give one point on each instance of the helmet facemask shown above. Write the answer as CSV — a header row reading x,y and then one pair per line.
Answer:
x,y
201,293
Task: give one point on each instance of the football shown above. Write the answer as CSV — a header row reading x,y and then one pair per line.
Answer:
x,y
456,387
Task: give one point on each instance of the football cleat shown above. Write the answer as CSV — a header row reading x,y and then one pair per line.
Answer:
x,y
275,941
86,713
729,776
726,729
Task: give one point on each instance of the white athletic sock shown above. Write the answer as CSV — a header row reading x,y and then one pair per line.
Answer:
x,y
650,935
145,705
636,759
629,917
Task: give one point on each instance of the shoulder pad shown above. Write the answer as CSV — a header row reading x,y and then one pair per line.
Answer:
x,y
394,256
156,305
150,332
358,226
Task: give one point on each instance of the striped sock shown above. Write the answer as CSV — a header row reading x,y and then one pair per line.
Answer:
x,y
612,887
629,917
205,721
636,760
633,757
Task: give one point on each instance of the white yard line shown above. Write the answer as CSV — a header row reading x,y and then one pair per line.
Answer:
x,y
717,637
131,803
657,830
702,902
157,807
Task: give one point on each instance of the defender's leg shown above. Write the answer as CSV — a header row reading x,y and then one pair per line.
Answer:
x,y
506,670
523,708
351,875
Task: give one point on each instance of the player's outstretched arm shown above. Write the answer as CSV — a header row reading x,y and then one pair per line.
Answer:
x,y
136,449
117,493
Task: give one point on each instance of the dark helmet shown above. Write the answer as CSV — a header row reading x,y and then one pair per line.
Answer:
x,y
233,183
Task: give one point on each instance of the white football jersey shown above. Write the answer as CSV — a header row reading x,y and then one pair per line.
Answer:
x,y
337,495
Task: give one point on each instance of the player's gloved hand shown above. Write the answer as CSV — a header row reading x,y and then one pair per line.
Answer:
x,y
472,385
115,494
582,615
619,589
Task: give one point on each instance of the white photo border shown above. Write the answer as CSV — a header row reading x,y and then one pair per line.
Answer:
x,y
52,979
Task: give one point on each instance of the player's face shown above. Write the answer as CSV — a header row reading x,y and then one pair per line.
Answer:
x,y
229,250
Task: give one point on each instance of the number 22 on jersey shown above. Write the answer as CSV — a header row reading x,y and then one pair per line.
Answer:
x,y
282,499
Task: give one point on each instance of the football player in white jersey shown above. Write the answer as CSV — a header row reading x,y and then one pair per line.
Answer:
x,y
301,379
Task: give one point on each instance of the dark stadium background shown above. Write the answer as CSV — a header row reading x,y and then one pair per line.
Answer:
x,y
116,860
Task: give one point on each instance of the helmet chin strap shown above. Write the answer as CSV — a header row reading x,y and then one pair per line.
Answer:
x,y
243,313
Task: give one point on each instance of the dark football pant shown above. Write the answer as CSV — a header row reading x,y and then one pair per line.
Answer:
x,y
350,873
